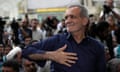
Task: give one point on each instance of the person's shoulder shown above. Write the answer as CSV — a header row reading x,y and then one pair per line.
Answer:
x,y
94,41
63,35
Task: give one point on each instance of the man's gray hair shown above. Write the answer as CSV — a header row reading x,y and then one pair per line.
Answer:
x,y
83,10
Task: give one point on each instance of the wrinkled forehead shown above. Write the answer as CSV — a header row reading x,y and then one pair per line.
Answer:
x,y
72,10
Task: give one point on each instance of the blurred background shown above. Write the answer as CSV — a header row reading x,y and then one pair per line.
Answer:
x,y
43,8
24,22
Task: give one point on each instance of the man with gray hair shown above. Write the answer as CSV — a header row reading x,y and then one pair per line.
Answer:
x,y
72,51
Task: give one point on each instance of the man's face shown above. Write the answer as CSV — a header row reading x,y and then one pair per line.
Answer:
x,y
7,69
34,23
24,23
73,21
92,19
29,66
27,41
110,20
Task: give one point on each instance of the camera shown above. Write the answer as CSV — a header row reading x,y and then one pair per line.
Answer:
x,y
107,9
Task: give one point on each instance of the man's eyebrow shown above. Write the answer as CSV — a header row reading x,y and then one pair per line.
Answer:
x,y
71,16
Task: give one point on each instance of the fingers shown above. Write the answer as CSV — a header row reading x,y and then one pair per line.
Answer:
x,y
71,54
66,58
69,63
72,58
63,48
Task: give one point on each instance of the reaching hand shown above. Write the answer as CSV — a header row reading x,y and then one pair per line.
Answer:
x,y
62,57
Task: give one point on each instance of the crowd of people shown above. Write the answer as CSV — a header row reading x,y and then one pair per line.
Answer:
x,y
80,42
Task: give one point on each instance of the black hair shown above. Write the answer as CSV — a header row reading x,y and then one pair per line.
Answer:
x,y
102,30
102,26
12,64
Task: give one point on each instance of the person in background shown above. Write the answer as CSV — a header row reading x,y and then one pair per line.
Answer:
x,y
1,55
61,26
10,66
113,65
36,30
92,26
109,9
1,51
72,51
29,66
24,31
27,40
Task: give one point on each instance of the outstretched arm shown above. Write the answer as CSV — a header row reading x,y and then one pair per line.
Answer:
x,y
58,56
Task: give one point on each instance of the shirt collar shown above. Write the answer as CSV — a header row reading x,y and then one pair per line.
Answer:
x,y
68,35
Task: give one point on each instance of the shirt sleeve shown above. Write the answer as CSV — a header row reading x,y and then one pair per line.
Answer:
x,y
39,48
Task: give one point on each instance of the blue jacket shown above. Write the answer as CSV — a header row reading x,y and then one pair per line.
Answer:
x,y
91,57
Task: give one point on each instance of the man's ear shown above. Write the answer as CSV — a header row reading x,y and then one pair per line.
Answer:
x,y
85,21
